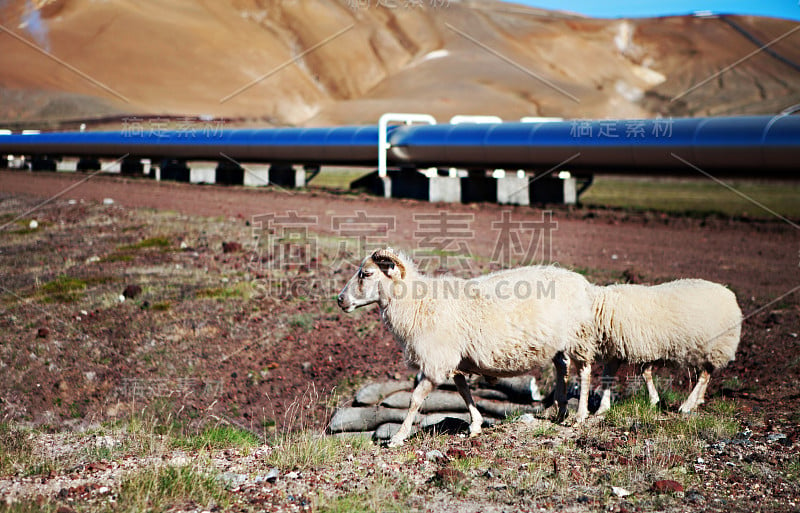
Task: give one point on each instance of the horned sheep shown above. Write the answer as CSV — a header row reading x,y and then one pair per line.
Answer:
x,y
689,322
502,324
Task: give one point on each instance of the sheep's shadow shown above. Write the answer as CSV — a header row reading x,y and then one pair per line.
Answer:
x,y
447,426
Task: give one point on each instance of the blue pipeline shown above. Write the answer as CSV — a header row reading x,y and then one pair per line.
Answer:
x,y
752,145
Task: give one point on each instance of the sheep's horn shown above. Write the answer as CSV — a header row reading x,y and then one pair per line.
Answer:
x,y
383,256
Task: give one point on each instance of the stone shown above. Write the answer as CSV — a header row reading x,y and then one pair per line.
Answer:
x,y
694,496
272,475
435,456
232,480
774,437
386,431
666,486
494,395
131,291
449,476
502,410
363,419
620,492
375,392
436,401
231,247
523,389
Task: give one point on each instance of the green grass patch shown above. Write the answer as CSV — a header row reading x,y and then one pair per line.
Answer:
x,y
712,422
15,448
63,289
304,450
219,437
161,306
165,487
383,494
337,178
242,290
29,506
304,321
150,242
695,197
117,257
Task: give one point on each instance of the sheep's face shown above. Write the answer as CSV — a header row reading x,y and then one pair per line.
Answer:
x,y
370,283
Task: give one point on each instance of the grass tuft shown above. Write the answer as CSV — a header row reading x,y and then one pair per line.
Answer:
x,y
63,289
242,290
219,437
305,450
151,242
169,487
15,448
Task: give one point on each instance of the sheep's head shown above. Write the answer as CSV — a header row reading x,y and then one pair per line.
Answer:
x,y
373,279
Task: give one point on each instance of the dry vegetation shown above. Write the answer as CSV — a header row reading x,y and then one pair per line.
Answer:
x,y
224,417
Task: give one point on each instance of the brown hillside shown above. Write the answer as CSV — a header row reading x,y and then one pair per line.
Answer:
x,y
326,62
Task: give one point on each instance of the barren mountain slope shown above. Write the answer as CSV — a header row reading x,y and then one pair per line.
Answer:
x,y
323,61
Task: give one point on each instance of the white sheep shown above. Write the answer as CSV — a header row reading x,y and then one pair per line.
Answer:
x,y
502,324
692,323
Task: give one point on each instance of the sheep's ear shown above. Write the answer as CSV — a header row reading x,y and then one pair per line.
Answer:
x,y
389,263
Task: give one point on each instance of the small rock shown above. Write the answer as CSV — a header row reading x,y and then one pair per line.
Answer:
x,y
42,332
694,496
293,475
620,492
435,456
632,276
449,476
131,291
108,201
232,480
271,476
388,430
456,453
435,402
34,224
774,437
527,418
363,419
491,473
231,247
666,485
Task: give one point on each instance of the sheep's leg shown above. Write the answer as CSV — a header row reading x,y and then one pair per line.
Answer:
x,y
561,362
701,397
647,374
696,397
422,390
609,371
476,420
585,372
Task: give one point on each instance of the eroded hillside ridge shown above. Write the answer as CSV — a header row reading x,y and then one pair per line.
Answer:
x,y
322,62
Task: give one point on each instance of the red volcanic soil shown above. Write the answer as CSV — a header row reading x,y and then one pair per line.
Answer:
x,y
253,357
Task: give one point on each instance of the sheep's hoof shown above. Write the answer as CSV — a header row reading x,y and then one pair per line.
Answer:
x,y
474,433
